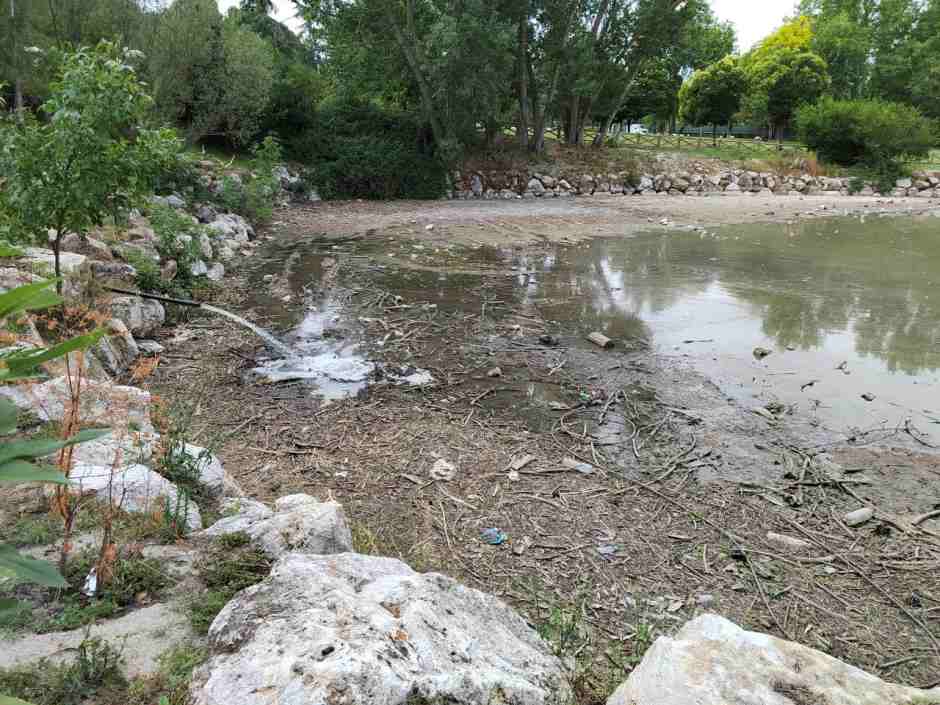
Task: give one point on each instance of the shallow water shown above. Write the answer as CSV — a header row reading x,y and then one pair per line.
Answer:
x,y
851,305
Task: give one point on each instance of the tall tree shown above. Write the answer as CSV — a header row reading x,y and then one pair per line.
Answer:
x,y
781,80
713,95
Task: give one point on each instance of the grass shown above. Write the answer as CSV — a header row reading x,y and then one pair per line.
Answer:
x,y
931,163
168,686
97,666
229,566
40,611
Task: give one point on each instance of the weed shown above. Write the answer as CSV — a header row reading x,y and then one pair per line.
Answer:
x,y
238,539
563,630
168,686
35,530
176,463
76,613
204,608
228,566
364,540
97,666
131,579
17,618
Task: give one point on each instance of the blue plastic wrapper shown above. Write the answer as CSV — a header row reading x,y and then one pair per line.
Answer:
x,y
493,536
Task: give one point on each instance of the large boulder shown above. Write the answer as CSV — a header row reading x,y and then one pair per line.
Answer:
x,y
364,630
102,403
136,488
118,450
118,350
88,246
45,259
712,661
229,226
141,316
299,522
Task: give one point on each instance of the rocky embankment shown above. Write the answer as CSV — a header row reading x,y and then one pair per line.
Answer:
x,y
510,185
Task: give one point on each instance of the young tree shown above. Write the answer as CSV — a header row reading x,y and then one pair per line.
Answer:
x,y
713,95
92,155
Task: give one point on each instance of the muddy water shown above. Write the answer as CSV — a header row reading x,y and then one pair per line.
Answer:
x,y
847,306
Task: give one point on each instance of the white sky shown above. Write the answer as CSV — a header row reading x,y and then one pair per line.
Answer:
x,y
754,19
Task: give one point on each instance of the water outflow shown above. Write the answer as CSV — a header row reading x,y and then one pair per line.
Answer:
x,y
275,344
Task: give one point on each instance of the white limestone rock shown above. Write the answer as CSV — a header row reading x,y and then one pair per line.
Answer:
x,y
365,630
299,522
712,661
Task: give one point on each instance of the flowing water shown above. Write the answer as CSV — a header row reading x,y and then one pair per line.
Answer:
x,y
848,307
273,342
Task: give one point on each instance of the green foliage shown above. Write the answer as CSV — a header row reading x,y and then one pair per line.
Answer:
x,y
211,75
96,666
780,81
229,566
362,151
872,133
169,685
713,95
92,156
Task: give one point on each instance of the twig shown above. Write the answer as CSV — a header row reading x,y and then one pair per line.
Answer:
x,y
924,517
760,589
863,576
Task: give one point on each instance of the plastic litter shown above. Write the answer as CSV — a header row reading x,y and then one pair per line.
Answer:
x,y
493,536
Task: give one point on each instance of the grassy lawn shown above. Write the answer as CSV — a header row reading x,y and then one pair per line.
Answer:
x,y
932,163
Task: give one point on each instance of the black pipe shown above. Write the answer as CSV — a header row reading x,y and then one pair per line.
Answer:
x,y
155,297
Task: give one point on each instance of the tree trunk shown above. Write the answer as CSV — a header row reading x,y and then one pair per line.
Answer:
x,y
524,79
411,57
574,120
605,125
56,248
714,134
538,141
18,98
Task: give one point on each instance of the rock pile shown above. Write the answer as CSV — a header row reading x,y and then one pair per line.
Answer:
x,y
513,185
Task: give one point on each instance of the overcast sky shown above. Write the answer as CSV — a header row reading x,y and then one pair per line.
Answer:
x,y
753,19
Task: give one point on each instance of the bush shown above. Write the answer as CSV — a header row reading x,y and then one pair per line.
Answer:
x,y
358,150
252,194
96,665
872,133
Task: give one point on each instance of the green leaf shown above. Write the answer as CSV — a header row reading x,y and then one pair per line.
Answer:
x,y
8,250
90,434
44,447
7,604
8,700
8,416
24,362
28,297
14,471
30,569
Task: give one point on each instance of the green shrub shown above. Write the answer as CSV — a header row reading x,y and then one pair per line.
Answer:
x,y
252,194
873,133
357,150
97,665
229,566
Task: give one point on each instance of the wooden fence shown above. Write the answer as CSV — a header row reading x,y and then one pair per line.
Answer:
x,y
689,142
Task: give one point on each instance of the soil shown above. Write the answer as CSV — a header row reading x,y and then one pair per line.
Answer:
x,y
649,494
536,220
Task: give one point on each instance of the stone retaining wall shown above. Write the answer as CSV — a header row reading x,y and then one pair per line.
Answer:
x,y
520,184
